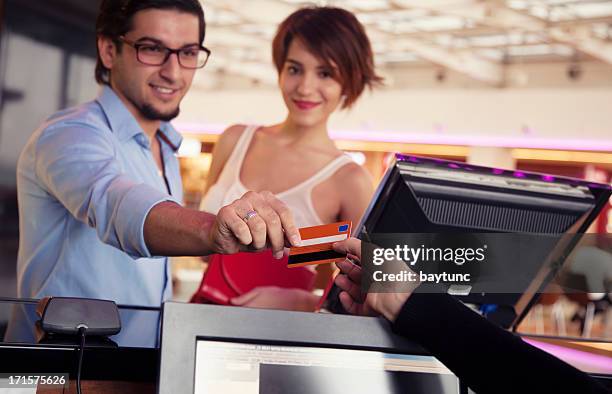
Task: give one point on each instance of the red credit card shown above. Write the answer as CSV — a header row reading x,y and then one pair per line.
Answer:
x,y
317,244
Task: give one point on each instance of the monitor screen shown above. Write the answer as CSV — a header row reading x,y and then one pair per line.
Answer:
x,y
216,349
250,368
425,196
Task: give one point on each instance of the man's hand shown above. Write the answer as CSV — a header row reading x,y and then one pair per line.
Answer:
x,y
349,280
253,222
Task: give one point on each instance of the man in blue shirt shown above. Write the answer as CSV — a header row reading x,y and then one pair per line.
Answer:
x,y
99,185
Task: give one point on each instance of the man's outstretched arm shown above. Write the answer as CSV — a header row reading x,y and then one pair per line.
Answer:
x,y
77,165
171,230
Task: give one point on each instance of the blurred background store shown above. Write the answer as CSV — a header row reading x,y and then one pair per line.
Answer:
x,y
521,84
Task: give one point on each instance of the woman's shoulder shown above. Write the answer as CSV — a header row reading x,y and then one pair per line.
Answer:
x,y
348,176
354,187
223,149
353,175
231,134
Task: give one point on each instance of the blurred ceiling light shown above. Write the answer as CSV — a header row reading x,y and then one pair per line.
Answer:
x,y
190,148
490,40
540,50
436,3
592,9
266,31
440,23
562,50
228,38
556,2
367,5
603,31
392,16
304,3
491,53
529,50
529,3
397,57
562,10
558,14
539,10
238,52
500,40
357,157
216,16
517,4
451,41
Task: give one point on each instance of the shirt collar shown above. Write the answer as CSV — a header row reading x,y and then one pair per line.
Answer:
x,y
123,123
173,137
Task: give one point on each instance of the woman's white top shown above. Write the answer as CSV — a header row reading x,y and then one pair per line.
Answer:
x,y
298,198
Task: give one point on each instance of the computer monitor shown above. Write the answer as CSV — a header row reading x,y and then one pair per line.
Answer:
x,y
218,349
425,195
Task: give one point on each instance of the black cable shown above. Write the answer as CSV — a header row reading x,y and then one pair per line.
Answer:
x,y
82,330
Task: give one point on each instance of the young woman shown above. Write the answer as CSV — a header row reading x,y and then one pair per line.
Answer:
x,y
324,62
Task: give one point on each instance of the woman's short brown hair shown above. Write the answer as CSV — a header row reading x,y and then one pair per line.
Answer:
x,y
336,37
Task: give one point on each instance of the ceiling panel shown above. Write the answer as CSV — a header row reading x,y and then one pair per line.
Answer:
x,y
472,37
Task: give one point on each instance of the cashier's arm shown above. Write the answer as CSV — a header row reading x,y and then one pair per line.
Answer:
x,y
171,230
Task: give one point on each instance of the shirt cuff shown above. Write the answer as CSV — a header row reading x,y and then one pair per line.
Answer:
x,y
131,215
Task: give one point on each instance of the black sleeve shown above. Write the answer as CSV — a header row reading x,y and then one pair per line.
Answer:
x,y
484,356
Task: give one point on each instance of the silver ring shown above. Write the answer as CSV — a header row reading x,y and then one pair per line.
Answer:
x,y
249,215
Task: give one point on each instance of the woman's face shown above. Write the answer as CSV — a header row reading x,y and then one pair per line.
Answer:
x,y
309,91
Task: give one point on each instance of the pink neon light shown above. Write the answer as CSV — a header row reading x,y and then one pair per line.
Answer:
x,y
437,139
589,362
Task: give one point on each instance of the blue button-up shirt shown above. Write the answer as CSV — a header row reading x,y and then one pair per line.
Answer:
x,y
86,181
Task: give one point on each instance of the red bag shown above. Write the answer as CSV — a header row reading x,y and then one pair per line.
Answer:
x,y
229,276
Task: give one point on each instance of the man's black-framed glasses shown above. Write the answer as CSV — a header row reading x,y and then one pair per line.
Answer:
x,y
155,54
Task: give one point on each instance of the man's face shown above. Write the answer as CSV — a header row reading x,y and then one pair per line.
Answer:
x,y
154,92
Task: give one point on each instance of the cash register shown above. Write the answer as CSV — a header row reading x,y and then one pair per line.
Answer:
x,y
213,349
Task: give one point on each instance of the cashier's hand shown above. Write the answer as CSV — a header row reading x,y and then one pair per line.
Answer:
x,y
349,280
254,222
272,297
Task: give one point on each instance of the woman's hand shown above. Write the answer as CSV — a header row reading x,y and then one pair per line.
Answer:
x,y
349,280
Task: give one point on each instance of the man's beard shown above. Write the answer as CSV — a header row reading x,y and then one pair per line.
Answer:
x,y
151,113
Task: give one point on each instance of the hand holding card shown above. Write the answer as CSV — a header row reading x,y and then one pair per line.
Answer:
x,y
317,244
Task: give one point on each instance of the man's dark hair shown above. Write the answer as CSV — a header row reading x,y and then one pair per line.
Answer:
x,y
116,16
